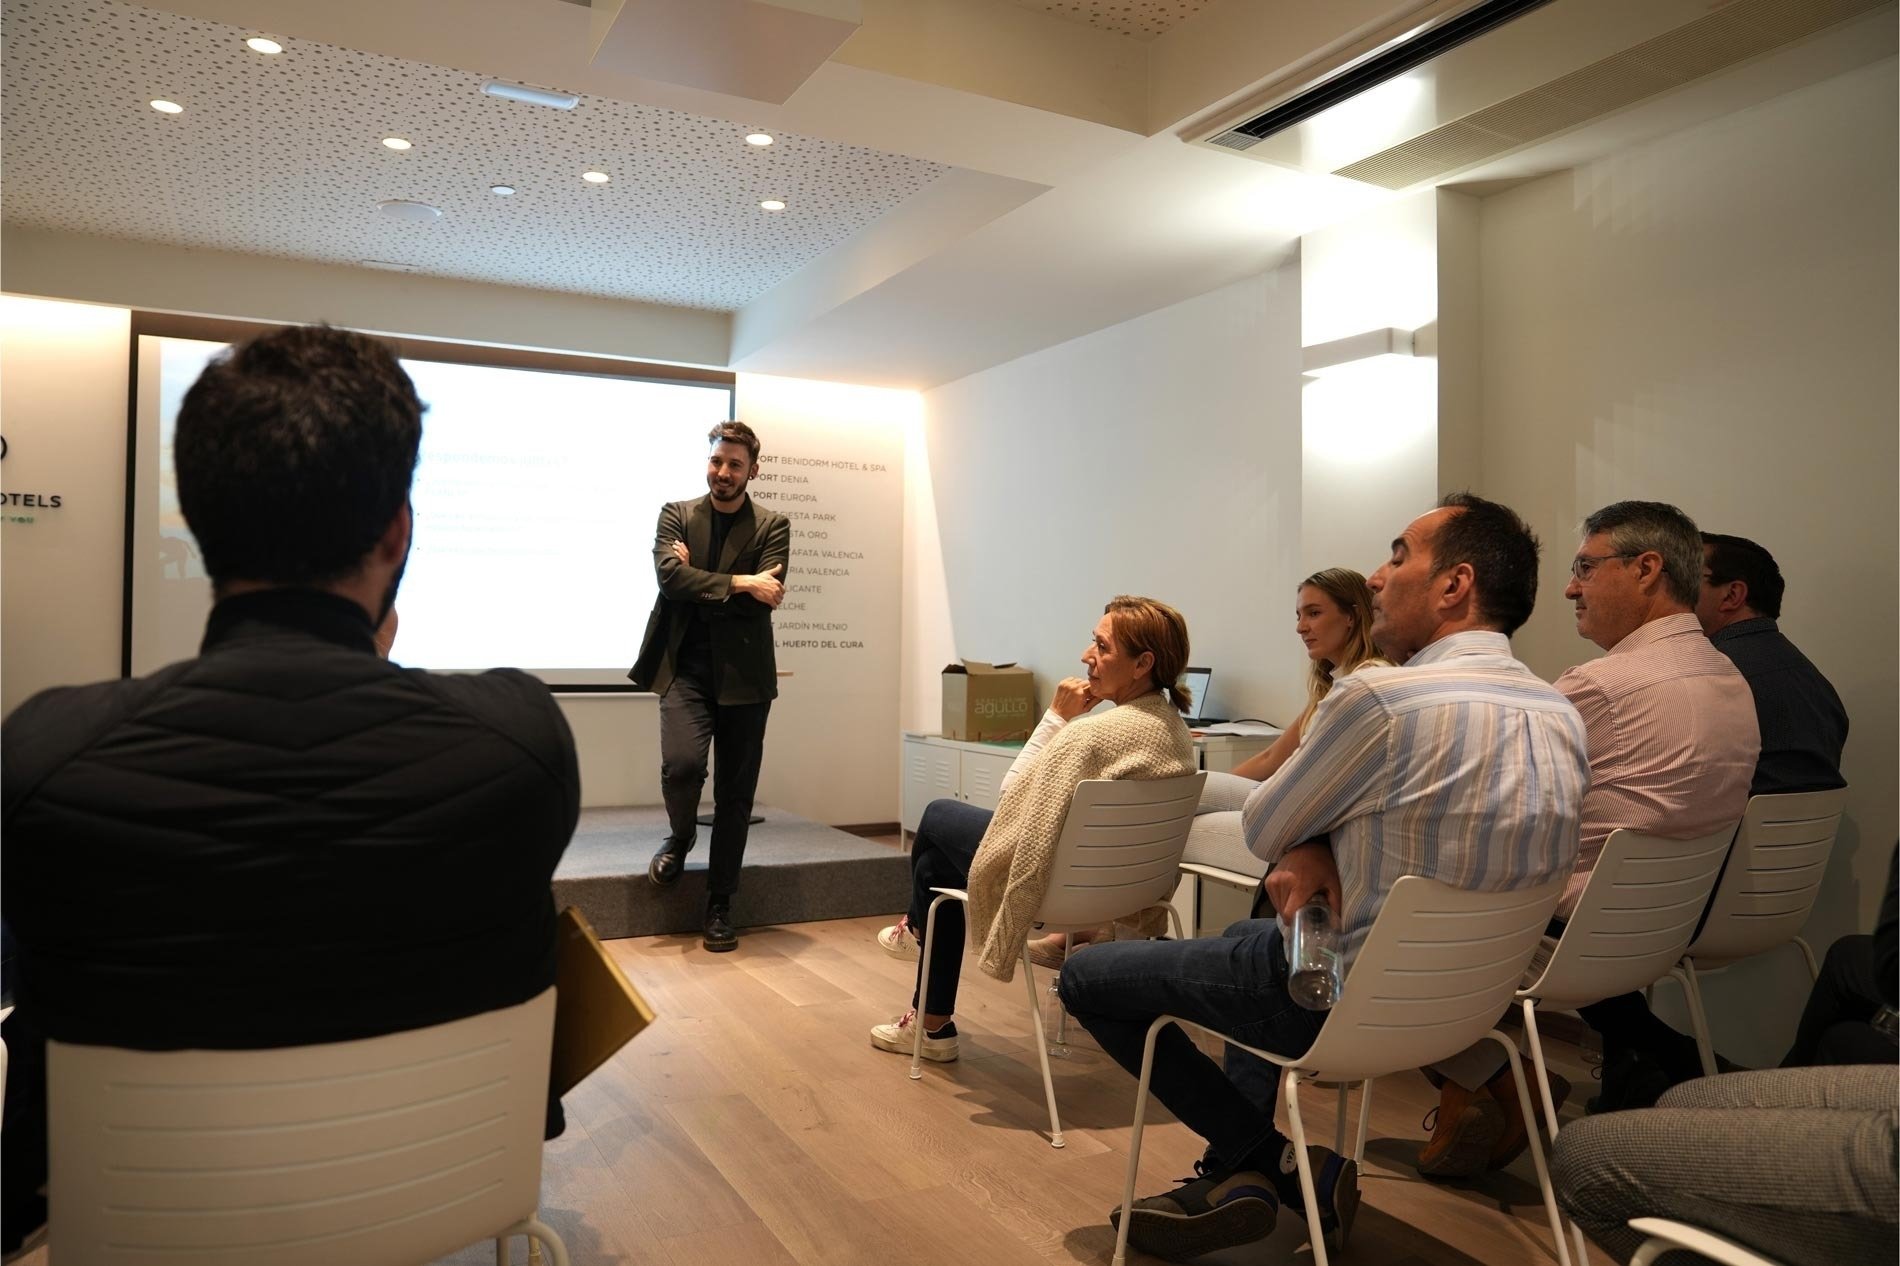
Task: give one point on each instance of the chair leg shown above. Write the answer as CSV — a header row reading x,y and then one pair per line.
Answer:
x,y
1062,1016
1339,1123
1042,1049
1698,1018
1174,921
1543,1075
1134,1138
1807,952
1537,1144
539,1234
923,990
1365,1120
1290,1080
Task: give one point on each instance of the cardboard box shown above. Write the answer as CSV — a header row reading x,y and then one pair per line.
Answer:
x,y
993,702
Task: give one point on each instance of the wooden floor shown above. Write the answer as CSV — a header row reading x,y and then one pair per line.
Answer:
x,y
755,1123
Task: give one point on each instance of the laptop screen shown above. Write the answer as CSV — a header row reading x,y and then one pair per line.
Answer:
x,y
1196,680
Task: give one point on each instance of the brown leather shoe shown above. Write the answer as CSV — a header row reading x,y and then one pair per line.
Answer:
x,y
1468,1127
1516,1137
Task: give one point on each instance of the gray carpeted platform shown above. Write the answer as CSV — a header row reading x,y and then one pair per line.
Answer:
x,y
796,871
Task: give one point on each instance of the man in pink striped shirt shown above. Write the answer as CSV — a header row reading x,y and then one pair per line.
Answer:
x,y
1669,723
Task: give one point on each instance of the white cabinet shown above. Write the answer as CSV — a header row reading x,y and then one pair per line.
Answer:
x,y
938,768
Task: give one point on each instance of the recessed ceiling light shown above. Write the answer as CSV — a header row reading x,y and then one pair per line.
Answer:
x,y
772,204
167,107
409,209
501,191
395,142
258,44
759,138
595,177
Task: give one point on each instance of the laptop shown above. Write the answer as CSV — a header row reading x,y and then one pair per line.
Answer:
x,y
1197,681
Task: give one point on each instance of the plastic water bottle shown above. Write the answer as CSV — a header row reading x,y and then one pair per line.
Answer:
x,y
1055,1020
1312,957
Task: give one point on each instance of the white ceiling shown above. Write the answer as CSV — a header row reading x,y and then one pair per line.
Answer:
x,y
1143,19
968,181
282,156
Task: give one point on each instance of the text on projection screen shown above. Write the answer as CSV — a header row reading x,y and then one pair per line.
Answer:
x,y
535,499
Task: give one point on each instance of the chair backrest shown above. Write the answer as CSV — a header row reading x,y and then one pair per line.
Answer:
x,y
1773,874
1120,849
394,1149
1637,913
1436,973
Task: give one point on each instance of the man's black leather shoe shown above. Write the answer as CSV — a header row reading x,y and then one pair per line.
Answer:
x,y
664,870
719,937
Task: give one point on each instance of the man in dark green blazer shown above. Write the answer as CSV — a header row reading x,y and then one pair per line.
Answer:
x,y
708,654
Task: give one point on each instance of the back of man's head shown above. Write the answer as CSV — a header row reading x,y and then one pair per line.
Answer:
x,y
1639,527
294,451
1502,552
1732,558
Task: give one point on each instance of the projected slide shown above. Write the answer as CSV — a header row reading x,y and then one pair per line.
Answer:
x,y
535,500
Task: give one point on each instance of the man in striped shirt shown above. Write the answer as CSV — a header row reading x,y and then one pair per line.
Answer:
x,y
1461,766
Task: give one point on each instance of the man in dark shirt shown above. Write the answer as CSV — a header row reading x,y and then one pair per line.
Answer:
x,y
708,653
287,840
1803,725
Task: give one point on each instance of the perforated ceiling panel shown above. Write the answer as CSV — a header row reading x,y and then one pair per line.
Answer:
x,y
1143,19
283,156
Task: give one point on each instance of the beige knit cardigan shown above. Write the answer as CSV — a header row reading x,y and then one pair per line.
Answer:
x,y
1144,739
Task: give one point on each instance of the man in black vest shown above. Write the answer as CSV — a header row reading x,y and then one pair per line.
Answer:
x,y
708,654
287,840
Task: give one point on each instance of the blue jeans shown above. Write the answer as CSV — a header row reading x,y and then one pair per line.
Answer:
x,y
1234,983
940,857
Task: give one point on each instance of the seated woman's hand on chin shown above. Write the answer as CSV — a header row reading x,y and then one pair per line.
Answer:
x,y
1135,659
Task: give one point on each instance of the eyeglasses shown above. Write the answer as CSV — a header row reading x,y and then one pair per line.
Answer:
x,y
1584,566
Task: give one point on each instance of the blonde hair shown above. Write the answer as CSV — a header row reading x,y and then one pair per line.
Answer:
x,y
1347,589
1145,625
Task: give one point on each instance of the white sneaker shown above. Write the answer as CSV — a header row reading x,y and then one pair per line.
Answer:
x,y
898,941
900,1037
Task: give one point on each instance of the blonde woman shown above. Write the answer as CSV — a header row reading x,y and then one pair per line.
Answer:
x,y
1334,618
1135,658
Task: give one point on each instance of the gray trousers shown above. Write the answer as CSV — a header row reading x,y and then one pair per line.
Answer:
x,y
1797,1164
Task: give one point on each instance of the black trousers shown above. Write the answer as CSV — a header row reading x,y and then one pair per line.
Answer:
x,y
692,723
940,857
1834,1025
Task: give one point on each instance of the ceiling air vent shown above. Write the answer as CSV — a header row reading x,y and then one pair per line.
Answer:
x,y
1394,58
1446,86
1730,35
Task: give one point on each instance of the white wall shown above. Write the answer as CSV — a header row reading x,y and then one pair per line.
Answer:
x,y
63,393
1160,456
1710,320
1369,429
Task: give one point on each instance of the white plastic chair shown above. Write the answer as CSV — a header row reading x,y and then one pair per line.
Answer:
x,y
394,1149
1118,854
1765,894
1436,971
1666,1236
1637,913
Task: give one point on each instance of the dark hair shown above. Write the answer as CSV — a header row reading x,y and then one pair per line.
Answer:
x,y
1502,552
736,433
1143,624
1640,527
293,452
1738,558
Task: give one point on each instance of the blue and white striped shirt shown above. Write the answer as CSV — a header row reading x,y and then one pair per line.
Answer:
x,y
1461,766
